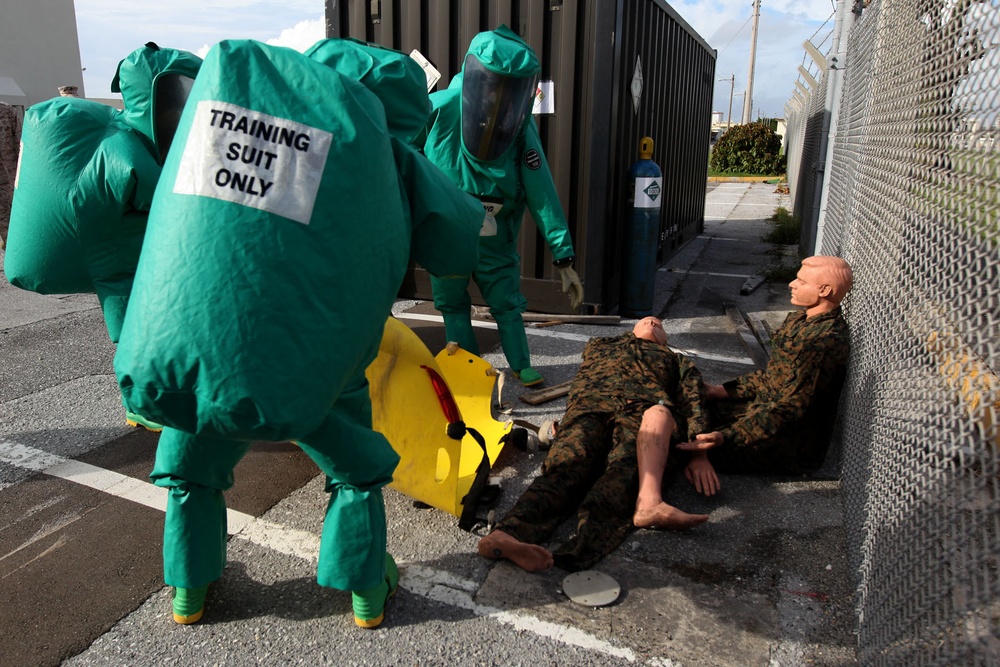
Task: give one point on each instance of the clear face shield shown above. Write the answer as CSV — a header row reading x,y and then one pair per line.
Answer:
x,y
494,107
171,94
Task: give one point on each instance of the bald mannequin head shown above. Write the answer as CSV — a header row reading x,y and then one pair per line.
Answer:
x,y
821,284
650,328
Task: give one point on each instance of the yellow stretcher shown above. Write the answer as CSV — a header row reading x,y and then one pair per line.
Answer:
x,y
431,409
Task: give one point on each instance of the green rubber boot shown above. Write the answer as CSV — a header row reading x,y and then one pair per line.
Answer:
x,y
369,605
189,604
529,377
132,419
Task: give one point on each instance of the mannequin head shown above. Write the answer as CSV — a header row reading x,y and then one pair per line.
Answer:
x,y
821,284
651,329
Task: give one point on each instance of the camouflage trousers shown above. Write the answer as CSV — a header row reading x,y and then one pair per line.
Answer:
x,y
591,471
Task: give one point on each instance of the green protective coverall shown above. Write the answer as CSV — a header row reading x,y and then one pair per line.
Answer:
x,y
296,371
86,183
507,179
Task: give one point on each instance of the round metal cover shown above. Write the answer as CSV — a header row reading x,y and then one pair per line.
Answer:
x,y
591,588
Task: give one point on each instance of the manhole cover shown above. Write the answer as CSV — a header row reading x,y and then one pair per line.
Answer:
x,y
591,588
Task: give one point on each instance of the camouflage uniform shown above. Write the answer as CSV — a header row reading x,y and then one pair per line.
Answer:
x,y
780,419
10,143
592,467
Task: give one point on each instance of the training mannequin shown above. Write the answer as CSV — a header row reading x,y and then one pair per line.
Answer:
x,y
481,134
779,420
630,397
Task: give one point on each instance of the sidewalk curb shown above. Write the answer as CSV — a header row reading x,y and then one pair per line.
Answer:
x,y
747,179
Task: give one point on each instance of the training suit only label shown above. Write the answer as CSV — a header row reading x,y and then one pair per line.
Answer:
x,y
254,159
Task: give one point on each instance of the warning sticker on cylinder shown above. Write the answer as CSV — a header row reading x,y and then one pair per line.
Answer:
x,y
647,192
253,159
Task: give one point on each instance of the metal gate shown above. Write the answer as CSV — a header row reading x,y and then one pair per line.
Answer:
x,y
590,50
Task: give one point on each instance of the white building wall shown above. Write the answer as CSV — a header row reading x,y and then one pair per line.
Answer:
x,y
39,50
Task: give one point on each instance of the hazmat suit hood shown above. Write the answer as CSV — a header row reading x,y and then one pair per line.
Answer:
x,y
499,79
395,78
154,83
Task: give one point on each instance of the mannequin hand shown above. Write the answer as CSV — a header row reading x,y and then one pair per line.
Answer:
x,y
702,475
571,285
702,442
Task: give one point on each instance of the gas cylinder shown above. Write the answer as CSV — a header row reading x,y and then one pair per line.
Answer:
x,y
641,235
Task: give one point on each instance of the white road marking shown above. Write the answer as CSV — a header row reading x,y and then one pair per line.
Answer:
x,y
438,318
451,590
706,273
419,579
747,361
579,338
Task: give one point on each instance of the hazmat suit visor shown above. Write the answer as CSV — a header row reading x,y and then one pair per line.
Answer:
x,y
169,97
494,108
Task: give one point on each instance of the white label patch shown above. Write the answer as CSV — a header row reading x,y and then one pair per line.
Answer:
x,y
489,227
647,192
492,208
250,158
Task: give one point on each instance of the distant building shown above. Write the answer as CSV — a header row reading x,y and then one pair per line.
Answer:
x,y
39,51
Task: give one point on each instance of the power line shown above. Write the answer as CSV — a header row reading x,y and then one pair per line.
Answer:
x,y
734,36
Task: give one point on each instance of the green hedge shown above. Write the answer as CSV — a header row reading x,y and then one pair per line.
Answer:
x,y
748,149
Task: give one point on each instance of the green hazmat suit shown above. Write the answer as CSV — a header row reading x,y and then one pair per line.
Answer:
x,y
255,318
86,183
394,77
482,136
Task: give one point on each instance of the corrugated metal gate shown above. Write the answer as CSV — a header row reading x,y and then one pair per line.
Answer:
x,y
590,50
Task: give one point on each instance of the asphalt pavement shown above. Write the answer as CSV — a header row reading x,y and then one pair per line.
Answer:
x,y
764,582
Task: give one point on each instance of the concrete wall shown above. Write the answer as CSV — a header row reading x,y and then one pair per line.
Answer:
x,y
39,50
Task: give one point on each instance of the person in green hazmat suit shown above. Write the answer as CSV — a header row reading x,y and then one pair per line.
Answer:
x,y
88,175
482,135
437,225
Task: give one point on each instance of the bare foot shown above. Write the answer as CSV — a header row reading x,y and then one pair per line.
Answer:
x,y
530,557
666,516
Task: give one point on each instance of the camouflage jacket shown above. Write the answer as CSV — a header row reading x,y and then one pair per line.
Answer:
x,y
800,387
622,370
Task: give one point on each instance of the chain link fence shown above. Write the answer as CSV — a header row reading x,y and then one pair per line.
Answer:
x,y
912,202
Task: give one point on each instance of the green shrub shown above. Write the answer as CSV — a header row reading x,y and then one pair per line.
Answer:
x,y
780,273
749,149
785,228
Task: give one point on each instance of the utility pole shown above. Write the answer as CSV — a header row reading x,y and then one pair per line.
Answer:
x,y
748,98
729,118
732,82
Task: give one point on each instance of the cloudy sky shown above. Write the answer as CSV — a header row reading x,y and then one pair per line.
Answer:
x,y
110,29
